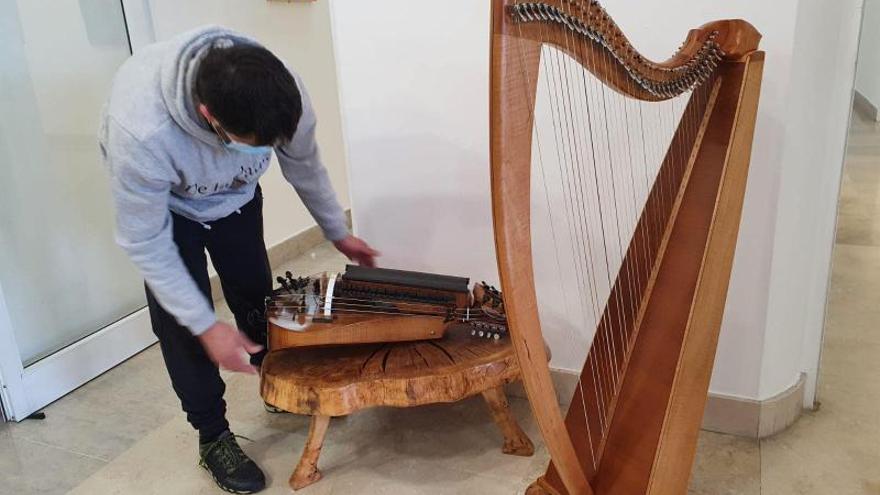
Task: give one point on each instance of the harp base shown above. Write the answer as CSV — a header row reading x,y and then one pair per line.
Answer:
x,y
541,487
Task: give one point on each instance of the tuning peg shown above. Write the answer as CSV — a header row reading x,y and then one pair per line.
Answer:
x,y
497,336
473,332
283,283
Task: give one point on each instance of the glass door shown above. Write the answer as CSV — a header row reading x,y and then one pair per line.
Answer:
x,y
71,304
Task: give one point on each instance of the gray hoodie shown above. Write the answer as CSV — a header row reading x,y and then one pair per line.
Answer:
x,y
163,158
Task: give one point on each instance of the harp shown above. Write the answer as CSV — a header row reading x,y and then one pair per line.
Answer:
x,y
644,166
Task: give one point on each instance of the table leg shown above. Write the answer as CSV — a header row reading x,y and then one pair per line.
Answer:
x,y
516,442
307,471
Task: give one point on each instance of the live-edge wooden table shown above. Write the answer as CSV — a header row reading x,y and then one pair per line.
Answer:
x,y
336,381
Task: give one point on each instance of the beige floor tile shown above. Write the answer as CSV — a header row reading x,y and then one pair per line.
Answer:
x,y
108,415
423,450
824,453
726,465
32,468
851,402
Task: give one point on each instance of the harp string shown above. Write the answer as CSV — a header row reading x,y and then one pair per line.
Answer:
x,y
537,139
576,133
583,114
624,235
629,208
570,150
608,367
601,341
553,86
604,330
631,224
612,329
582,124
586,191
601,338
652,223
641,226
604,339
672,150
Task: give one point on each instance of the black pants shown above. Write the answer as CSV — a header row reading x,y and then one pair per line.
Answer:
x,y
238,252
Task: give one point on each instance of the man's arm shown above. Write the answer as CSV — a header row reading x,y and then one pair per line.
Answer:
x,y
302,167
144,230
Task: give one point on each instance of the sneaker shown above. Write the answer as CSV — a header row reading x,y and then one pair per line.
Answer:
x,y
231,468
257,359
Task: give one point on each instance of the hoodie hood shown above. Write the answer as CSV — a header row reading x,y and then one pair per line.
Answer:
x,y
178,74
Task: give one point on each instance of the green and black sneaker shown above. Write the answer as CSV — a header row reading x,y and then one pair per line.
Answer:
x,y
231,468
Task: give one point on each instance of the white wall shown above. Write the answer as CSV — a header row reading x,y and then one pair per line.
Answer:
x,y
415,108
817,124
299,33
868,76
416,127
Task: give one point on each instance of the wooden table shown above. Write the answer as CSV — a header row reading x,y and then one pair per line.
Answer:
x,y
336,381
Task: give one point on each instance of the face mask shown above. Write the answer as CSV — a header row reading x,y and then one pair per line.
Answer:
x,y
250,150
236,146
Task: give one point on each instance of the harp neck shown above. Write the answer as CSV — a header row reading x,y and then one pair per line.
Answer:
x,y
585,31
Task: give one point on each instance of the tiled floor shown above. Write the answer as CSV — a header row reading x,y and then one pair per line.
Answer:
x,y
122,433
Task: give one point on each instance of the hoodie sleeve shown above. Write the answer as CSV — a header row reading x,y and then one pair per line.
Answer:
x,y
302,167
144,231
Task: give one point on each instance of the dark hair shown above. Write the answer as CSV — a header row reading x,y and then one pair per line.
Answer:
x,y
250,92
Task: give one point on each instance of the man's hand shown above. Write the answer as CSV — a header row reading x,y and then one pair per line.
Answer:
x,y
229,348
357,250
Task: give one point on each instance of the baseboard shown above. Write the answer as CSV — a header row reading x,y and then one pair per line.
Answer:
x,y
753,418
723,414
285,251
864,106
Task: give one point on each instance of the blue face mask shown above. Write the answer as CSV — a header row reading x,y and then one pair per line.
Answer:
x,y
234,145
250,150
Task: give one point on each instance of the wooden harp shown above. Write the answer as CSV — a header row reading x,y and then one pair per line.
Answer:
x,y
653,159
